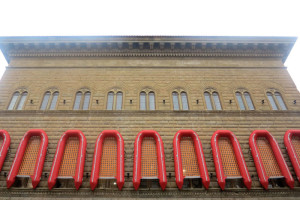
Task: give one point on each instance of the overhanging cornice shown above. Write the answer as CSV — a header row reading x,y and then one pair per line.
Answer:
x,y
146,46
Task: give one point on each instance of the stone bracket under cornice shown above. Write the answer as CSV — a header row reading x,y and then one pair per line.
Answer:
x,y
147,46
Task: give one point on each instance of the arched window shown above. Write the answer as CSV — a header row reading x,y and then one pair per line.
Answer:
x,y
212,100
268,158
114,100
49,100
69,158
147,100
244,100
228,158
180,100
276,100
82,100
18,100
189,160
149,159
108,162
30,157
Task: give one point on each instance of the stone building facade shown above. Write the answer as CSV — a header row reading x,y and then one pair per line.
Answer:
x,y
189,69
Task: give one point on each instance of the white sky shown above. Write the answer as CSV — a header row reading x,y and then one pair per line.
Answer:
x,y
155,17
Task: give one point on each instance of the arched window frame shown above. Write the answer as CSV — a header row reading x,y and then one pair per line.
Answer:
x,y
179,92
147,91
264,179
291,150
38,169
278,105
5,145
16,105
97,158
211,91
59,155
199,153
238,154
51,98
114,102
160,158
244,100
83,92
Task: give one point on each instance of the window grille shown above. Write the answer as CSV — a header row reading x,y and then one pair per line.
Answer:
x,y
108,166
229,161
69,160
189,159
268,158
30,156
149,158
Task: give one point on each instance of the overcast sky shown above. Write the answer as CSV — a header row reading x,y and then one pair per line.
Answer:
x,y
155,17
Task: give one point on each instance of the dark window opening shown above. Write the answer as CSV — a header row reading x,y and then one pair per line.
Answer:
x,y
149,183
276,182
234,183
22,182
107,183
190,183
64,183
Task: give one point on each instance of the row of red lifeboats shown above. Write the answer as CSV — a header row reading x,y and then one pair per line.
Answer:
x,y
263,177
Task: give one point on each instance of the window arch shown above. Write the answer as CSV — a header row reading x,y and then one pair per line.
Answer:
x,y
114,100
244,100
268,158
33,147
101,158
68,163
82,100
195,165
180,100
50,100
212,99
228,158
18,100
147,100
138,161
276,100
